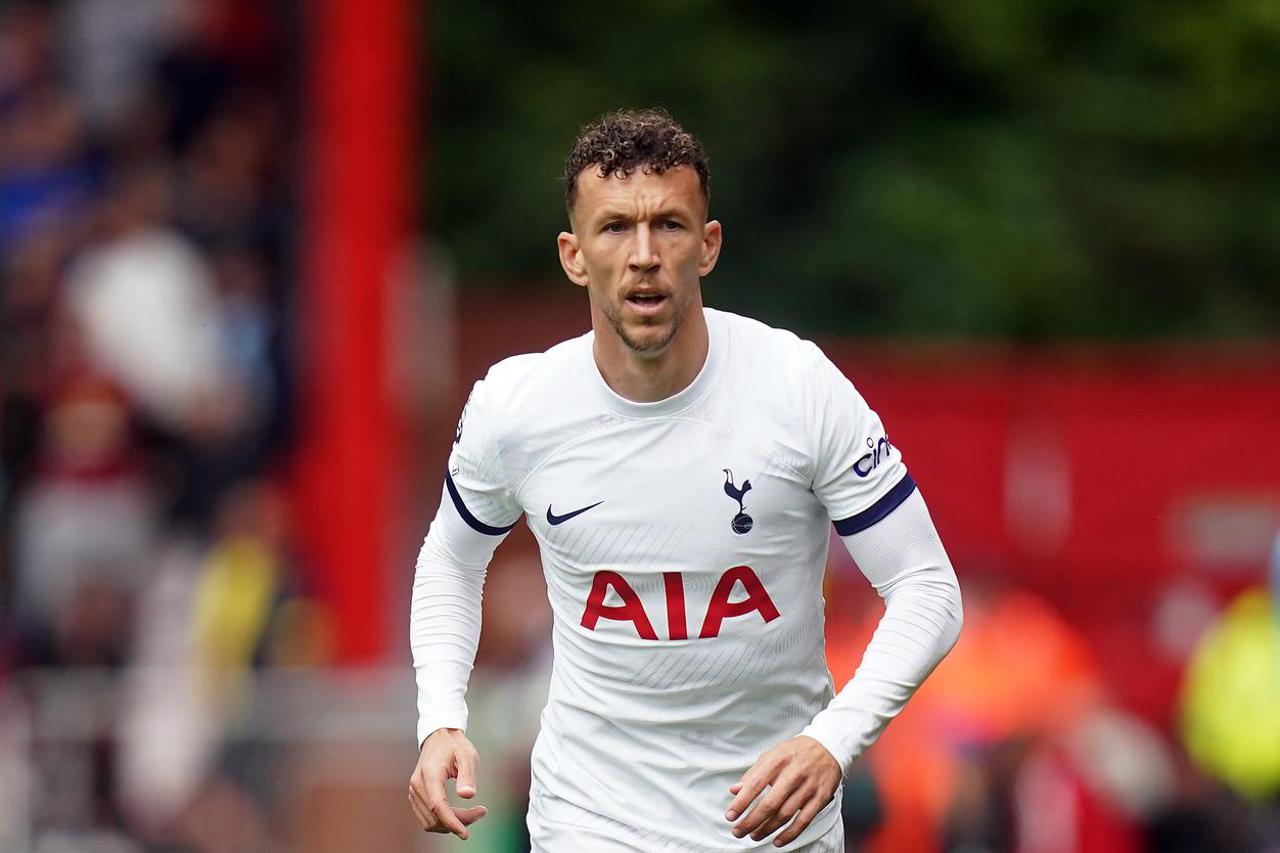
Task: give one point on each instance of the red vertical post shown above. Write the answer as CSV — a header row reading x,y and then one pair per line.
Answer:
x,y
356,178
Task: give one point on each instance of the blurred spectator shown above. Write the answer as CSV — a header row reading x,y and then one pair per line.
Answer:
x,y
220,48
141,248
188,335
206,625
1230,717
1012,744
84,527
228,177
112,47
31,278
46,174
146,300
1231,700
26,49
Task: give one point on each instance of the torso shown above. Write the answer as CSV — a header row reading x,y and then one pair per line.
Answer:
x,y
688,606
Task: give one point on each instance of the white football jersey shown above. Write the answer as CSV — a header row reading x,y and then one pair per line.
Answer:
x,y
684,544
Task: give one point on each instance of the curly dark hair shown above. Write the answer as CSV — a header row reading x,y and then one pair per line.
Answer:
x,y
623,141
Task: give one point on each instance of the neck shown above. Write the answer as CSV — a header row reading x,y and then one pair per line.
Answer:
x,y
649,377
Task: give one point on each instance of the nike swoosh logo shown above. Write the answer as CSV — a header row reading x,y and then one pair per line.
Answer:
x,y
554,519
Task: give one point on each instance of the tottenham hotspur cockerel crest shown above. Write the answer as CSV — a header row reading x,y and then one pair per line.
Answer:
x,y
741,523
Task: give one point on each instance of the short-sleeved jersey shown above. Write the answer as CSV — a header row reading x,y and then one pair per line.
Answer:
x,y
684,544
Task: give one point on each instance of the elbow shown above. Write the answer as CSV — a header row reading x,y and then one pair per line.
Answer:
x,y
955,614
931,599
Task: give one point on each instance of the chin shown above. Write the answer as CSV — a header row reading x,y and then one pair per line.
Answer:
x,y
648,340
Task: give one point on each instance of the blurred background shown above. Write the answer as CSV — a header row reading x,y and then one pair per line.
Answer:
x,y
253,253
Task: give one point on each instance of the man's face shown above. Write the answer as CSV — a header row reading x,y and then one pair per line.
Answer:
x,y
639,245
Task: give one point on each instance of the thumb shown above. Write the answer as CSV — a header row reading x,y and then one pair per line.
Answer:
x,y
466,774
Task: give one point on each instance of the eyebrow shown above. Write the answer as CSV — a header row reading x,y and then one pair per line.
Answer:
x,y
610,214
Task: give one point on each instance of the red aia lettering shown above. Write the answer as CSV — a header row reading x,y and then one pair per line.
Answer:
x,y
629,610
718,609
677,627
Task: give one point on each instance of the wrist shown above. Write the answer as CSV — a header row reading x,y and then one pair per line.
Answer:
x,y
833,744
432,734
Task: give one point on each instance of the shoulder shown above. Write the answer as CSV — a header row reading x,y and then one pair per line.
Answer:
x,y
521,385
528,404
756,334
795,363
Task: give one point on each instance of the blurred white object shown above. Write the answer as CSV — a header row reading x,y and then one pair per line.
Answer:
x,y
1125,760
168,732
67,531
148,309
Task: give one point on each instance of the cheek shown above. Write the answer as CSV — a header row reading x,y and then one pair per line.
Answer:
x,y
686,254
600,256
601,272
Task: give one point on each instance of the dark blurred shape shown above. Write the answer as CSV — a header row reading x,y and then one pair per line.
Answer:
x,y
46,173
146,563
1029,170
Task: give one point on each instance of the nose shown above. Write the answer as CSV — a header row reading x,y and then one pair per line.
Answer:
x,y
644,256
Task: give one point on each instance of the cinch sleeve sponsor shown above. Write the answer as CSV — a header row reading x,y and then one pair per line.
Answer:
x,y
476,481
859,474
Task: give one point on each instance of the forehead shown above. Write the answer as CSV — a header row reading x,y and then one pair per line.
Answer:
x,y
677,187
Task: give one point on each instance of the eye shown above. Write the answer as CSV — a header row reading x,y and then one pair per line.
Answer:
x,y
670,225
614,228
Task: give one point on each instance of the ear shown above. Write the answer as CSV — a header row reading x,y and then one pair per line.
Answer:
x,y
712,240
571,258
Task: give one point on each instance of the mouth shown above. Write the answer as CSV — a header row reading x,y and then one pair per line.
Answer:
x,y
646,303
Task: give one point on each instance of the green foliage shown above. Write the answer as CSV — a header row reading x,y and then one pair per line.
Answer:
x,y
1029,170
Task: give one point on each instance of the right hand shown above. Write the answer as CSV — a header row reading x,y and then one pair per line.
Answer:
x,y
446,754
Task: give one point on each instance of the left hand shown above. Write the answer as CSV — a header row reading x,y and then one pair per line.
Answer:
x,y
802,778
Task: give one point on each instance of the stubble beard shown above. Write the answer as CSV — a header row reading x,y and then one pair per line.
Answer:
x,y
648,347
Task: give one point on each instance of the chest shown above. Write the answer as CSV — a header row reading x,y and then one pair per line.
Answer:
x,y
675,530
673,495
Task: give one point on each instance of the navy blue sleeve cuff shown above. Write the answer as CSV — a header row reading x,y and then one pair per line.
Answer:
x,y
878,510
475,523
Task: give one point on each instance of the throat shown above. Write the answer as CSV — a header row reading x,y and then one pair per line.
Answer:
x,y
649,377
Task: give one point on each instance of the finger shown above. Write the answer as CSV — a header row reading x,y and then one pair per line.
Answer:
x,y
807,813
426,817
789,809
766,808
417,811
466,785
418,782
421,812
747,789
439,807
471,814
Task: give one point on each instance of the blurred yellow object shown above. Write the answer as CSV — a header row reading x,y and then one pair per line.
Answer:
x,y
1231,697
233,602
